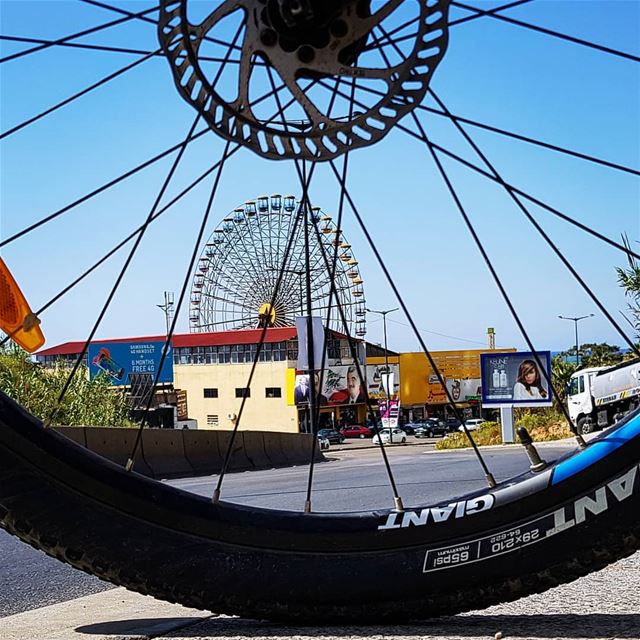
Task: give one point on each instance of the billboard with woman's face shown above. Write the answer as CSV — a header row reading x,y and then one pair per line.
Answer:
x,y
516,379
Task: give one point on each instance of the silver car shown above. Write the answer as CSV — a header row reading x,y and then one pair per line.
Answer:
x,y
393,436
472,424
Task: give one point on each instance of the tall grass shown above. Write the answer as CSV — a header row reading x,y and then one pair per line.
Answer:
x,y
86,402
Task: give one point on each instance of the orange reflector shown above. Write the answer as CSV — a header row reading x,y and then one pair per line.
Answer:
x,y
16,318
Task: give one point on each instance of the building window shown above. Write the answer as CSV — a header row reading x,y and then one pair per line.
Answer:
x,y
212,420
210,393
273,392
243,392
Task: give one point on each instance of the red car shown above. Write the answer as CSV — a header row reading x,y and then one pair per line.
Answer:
x,y
356,431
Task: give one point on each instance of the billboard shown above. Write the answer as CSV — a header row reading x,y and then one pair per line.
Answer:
x,y
389,413
377,377
515,379
122,361
318,338
462,390
340,385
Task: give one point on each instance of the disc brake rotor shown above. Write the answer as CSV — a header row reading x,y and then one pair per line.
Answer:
x,y
336,74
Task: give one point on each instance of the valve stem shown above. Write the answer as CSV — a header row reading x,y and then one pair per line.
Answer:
x,y
537,463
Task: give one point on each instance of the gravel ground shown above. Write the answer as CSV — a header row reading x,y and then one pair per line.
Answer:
x,y
602,606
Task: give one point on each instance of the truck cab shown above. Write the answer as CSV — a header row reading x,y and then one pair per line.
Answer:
x,y
580,399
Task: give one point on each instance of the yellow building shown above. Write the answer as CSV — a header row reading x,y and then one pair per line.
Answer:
x,y
419,391
210,378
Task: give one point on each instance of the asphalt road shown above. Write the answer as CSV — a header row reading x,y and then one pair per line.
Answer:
x,y
350,480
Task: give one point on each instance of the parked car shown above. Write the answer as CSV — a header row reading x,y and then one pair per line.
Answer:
x,y
410,427
453,424
393,436
472,424
356,431
323,443
332,435
431,428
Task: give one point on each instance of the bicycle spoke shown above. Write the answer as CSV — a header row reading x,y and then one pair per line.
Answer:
x,y
225,465
121,275
540,143
80,34
495,277
548,32
453,23
537,201
504,132
479,14
109,7
541,231
526,195
488,475
225,156
106,48
79,94
102,188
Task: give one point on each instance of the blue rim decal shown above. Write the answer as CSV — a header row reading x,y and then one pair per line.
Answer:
x,y
597,450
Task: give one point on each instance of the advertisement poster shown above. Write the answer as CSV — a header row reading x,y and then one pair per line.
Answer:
x,y
317,331
464,390
376,379
389,411
340,385
120,360
515,379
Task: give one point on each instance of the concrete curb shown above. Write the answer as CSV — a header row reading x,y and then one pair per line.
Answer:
x,y
108,615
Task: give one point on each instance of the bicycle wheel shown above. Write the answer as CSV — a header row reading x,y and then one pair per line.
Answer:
x,y
352,74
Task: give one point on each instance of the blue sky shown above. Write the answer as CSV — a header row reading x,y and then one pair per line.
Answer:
x,y
493,72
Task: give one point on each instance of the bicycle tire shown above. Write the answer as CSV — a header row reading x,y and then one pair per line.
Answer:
x,y
158,540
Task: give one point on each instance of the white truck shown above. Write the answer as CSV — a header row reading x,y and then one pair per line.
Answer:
x,y
599,396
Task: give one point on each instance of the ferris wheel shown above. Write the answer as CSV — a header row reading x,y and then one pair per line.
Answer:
x,y
234,286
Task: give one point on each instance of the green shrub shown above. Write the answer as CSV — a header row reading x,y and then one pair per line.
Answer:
x,y
86,402
486,434
542,425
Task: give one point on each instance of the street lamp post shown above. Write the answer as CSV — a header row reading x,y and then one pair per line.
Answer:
x,y
167,307
386,352
576,319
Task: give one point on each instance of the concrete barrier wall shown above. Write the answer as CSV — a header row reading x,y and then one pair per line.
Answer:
x,y
77,434
202,450
116,444
238,460
163,450
254,449
298,448
166,453
273,446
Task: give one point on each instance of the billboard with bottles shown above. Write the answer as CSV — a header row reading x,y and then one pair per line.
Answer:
x,y
519,379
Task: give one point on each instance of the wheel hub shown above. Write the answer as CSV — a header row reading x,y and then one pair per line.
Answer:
x,y
307,27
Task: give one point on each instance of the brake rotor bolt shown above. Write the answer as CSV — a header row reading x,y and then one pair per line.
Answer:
x,y
268,37
306,54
